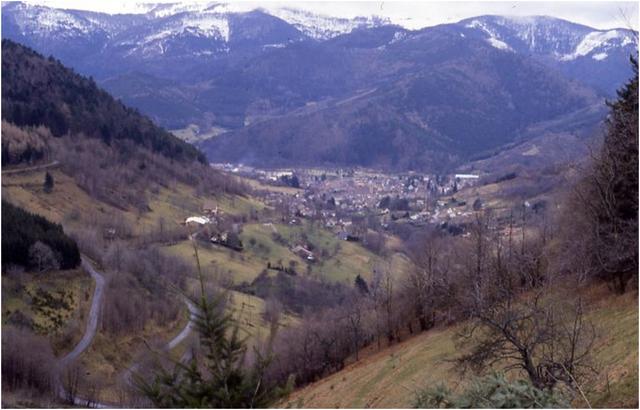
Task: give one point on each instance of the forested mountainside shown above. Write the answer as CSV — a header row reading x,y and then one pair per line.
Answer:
x,y
446,98
86,179
282,80
40,91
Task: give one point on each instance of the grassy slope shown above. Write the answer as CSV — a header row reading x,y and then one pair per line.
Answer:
x,y
389,378
174,205
108,356
350,260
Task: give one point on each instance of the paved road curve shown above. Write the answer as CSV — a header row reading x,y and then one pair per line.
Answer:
x,y
193,310
89,333
94,313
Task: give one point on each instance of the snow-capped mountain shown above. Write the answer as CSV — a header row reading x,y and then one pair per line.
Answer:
x,y
593,56
202,30
209,19
548,36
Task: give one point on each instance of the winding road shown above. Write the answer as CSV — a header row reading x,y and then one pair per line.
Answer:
x,y
179,338
94,312
90,332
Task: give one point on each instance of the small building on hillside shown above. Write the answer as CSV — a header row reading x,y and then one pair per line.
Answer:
x,y
303,252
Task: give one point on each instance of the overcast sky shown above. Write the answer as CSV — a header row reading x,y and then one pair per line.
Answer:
x,y
598,14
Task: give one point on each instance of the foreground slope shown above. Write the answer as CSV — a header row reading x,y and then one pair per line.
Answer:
x,y
391,377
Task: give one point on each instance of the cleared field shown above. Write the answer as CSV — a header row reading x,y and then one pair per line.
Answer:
x,y
390,378
248,311
336,260
26,191
220,262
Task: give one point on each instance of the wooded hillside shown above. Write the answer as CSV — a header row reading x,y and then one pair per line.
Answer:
x,y
39,91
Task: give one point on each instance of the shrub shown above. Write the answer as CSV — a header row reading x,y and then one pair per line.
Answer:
x,y
493,391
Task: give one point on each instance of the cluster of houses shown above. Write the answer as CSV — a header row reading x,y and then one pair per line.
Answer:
x,y
210,223
333,196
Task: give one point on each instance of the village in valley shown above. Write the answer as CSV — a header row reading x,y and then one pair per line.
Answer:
x,y
347,202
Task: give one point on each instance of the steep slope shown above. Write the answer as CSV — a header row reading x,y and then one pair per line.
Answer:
x,y
390,378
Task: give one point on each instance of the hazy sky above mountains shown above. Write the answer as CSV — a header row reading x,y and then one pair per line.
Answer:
x,y
598,14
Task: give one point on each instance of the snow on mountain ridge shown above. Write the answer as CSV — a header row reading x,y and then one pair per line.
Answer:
x,y
162,10
48,20
493,37
560,39
322,27
597,40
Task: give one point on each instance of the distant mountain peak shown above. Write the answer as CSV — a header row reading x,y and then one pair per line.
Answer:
x,y
556,38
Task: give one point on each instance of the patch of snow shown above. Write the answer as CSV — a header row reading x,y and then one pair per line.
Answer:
x,y
277,45
594,40
210,25
501,45
45,20
398,36
492,36
171,9
599,56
